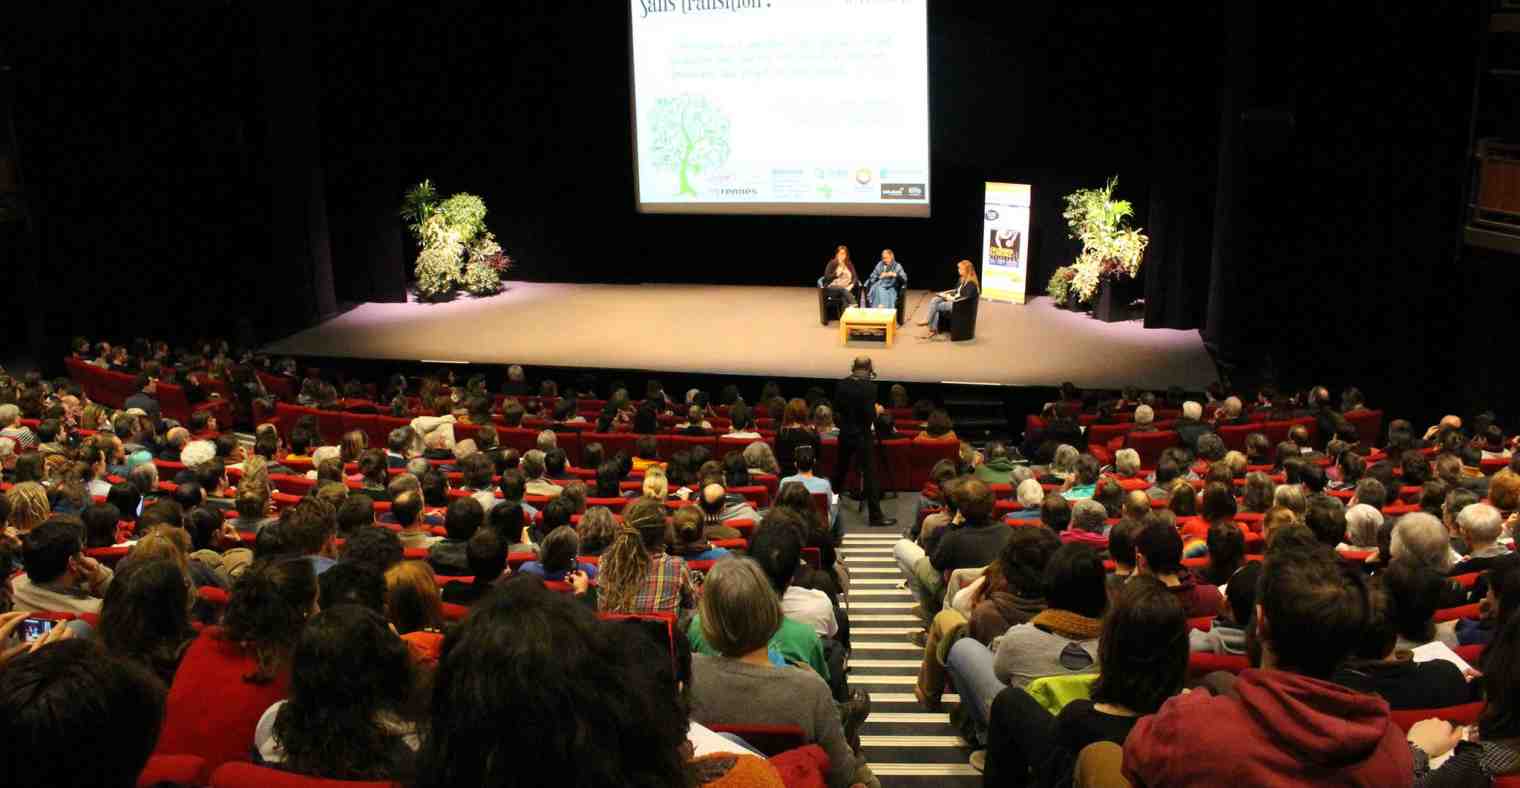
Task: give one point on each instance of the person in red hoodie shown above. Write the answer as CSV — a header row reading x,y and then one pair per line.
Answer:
x,y
1158,552
1287,724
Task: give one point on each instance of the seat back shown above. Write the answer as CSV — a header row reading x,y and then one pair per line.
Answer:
x,y
963,319
246,775
211,710
1149,445
926,453
1368,424
1465,714
1234,435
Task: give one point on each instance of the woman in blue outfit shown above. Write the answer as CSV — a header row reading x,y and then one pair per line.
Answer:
x,y
967,287
882,284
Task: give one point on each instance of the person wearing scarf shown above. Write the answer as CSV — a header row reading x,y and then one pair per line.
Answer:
x,y
1062,640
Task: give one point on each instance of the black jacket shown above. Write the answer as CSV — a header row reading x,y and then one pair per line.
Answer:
x,y
855,406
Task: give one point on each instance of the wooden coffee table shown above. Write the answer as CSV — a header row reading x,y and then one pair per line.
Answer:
x,y
862,319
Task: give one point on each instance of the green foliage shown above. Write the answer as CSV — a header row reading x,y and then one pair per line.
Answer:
x,y
1059,287
480,279
1110,248
465,215
420,203
456,249
438,271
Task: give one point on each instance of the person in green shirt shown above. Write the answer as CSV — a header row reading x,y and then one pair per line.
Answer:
x,y
998,467
794,643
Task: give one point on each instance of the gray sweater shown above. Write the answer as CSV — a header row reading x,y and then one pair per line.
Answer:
x,y
1027,652
729,692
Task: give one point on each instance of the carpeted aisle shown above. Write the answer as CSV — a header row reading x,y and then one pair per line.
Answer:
x,y
905,745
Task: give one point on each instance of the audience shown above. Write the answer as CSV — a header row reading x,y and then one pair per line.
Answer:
x,y
1310,616
145,617
636,574
1142,658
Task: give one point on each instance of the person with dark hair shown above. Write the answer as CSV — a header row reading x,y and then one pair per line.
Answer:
x,y
145,617
855,400
1227,553
1376,666
72,715
1081,485
311,527
1055,512
463,518
58,575
574,680
795,430
688,527
377,548
345,718
487,559
1121,550
609,477
1414,593
805,459
100,521
352,583
374,474
1311,614
356,512
559,551
1142,657
1168,470
1062,640
1158,552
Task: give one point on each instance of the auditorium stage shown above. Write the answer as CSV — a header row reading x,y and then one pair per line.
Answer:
x,y
760,331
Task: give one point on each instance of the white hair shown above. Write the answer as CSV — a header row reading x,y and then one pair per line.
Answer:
x,y
464,448
325,453
1192,410
515,373
1362,524
1144,414
1233,406
547,441
197,452
1030,493
1127,461
1421,538
8,414
1065,459
1481,522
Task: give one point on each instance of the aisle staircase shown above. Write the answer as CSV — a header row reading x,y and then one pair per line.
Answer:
x,y
905,745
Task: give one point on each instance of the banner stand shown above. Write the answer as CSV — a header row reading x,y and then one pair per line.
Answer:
x,y
1005,241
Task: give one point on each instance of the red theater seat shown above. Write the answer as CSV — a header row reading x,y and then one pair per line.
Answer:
x,y
246,775
1465,714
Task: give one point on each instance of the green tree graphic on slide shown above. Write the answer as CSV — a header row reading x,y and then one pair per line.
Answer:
x,y
690,135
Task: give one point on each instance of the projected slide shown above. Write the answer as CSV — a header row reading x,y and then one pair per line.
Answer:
x,y
781,106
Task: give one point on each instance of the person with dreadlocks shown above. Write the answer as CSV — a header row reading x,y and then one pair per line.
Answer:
x,y
636,574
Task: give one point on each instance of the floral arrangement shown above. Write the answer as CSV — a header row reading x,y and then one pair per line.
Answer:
x,y
455,250
1110,247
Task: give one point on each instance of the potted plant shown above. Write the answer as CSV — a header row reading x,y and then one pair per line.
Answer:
x,y
1111,249
454,248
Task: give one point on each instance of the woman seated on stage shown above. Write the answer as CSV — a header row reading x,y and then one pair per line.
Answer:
x,y
882,284
839,277
967,288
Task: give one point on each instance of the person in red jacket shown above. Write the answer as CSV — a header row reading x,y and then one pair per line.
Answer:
x,y
1287,724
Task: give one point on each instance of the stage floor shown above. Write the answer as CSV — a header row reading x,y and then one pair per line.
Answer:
x,y
761,331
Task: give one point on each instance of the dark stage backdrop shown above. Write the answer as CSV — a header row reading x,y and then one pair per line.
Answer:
x,y
234,168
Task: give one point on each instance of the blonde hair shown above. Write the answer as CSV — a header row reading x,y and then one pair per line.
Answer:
x,y
656,485
255,478
29,506
163,543
968,272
